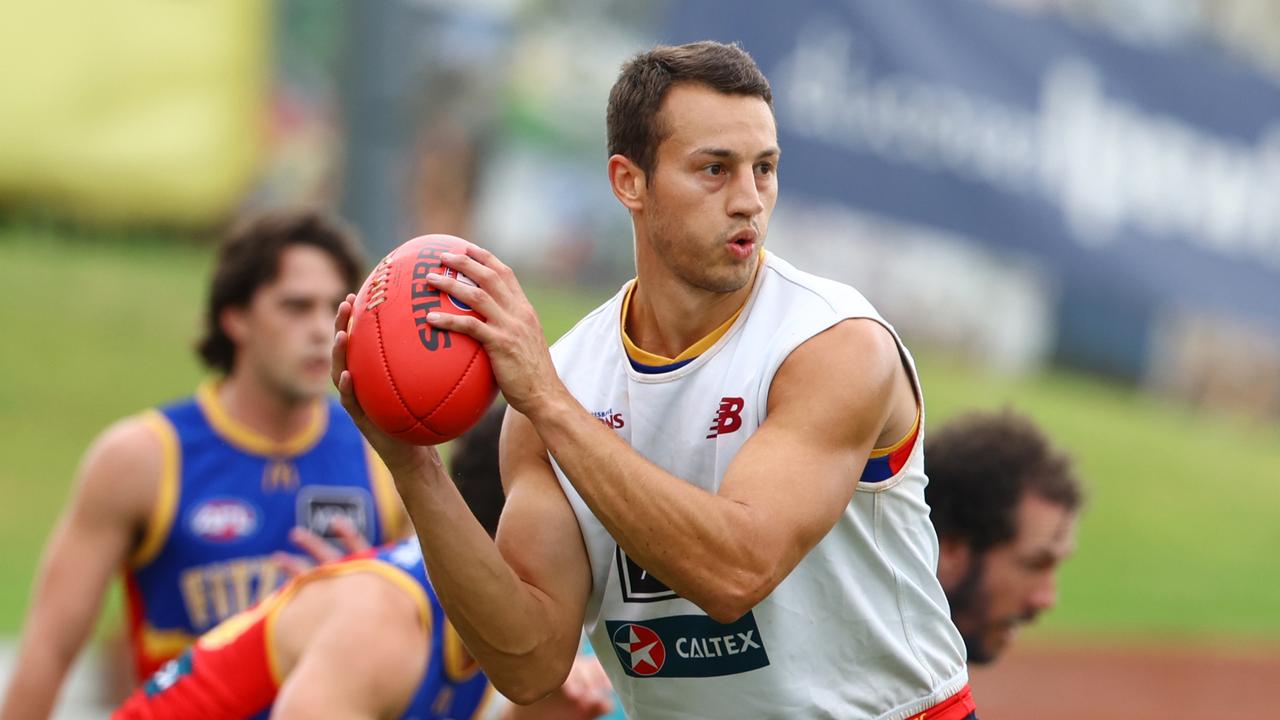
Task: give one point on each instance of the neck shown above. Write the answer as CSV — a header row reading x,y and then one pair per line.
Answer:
x,y
667,316
252,403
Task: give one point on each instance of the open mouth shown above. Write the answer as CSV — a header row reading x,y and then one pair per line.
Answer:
x,y
742,243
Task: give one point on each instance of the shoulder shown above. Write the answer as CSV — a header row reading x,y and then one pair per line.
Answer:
x,y
859,344
355,603
124,463
813,291
385,592
846,370
386,616
334,618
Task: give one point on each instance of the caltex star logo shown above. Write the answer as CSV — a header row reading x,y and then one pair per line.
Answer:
x,y
641,648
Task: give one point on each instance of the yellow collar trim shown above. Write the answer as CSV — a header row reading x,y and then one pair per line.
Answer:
x,y
251,441
644,357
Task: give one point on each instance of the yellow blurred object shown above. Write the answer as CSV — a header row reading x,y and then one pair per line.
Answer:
x,y
133,110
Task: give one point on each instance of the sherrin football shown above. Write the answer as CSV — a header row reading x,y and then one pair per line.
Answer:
x,y
418,383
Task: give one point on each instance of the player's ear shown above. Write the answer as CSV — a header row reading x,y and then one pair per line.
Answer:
x,y
628,182
954,557
233,322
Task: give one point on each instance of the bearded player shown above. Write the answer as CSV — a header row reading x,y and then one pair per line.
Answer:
x,y
1005,504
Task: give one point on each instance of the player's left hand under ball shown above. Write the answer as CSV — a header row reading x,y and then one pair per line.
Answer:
x,y
401,458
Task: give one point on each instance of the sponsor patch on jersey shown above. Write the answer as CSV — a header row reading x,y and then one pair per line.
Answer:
x,y
223,520
611,418
687,646
319,506
169,674
638,586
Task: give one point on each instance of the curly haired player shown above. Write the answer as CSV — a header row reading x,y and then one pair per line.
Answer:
x,y
1004,503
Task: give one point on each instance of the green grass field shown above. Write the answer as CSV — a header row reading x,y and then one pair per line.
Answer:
x,y
1179,537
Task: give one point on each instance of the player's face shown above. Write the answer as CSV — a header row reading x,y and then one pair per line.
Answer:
x,y
1015,581
708,201
286,331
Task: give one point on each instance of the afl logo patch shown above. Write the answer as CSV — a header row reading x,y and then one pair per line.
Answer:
x,y
223,520
640,648
450,272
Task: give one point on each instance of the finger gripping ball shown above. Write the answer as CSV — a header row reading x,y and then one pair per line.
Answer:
x,y
418,383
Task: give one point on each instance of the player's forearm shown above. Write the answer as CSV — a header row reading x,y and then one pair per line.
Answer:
x,y
510,627
703,546
63,607
33,688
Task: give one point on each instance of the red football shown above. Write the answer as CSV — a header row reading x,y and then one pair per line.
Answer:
x,y
419,383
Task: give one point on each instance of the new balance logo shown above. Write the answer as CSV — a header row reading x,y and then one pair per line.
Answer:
x,y
728,417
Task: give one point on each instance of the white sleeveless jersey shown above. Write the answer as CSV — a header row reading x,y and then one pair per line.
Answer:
x,y
860,628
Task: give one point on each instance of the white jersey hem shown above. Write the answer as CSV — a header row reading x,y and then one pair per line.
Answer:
x,y
948,690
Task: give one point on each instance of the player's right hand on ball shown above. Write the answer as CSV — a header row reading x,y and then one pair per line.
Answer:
x,y
509,331
401,458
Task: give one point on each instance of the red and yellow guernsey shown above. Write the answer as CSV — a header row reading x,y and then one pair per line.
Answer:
x,y
233,670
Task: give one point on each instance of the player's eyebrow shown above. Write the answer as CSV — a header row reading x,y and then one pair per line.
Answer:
x,y
726,153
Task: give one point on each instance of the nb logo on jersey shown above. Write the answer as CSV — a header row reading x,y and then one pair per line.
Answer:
x,y
728,417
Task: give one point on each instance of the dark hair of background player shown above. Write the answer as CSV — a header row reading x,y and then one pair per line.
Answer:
x,y
981,465
250,258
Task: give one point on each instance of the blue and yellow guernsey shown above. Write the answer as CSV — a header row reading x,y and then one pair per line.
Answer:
x,y
227,499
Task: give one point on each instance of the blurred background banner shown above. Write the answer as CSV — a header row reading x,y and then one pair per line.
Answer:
x,y
1135,184
138,111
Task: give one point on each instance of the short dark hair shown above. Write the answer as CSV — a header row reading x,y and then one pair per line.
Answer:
x,y
473,464
981,465
634,130
250,258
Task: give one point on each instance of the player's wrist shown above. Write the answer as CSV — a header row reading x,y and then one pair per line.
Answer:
x,y
549,405
417,471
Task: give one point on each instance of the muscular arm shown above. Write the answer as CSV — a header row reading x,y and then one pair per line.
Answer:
x,y
518,604
829,403
114,493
